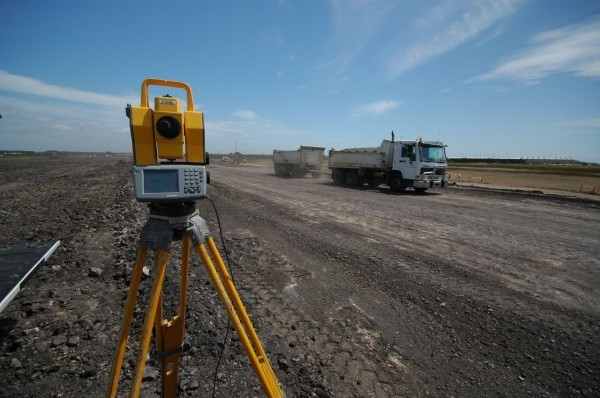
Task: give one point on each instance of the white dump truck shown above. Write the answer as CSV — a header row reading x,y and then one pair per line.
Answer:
x,y
398,164
298,163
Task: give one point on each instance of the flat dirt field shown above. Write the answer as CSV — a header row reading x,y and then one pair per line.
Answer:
x,y
460,292
557,179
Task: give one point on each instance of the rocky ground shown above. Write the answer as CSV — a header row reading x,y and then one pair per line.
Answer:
x,y
353,292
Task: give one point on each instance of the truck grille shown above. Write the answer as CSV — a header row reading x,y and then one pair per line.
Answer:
x,y
438,171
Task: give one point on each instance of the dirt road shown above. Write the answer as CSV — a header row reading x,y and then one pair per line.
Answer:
x,y
354,292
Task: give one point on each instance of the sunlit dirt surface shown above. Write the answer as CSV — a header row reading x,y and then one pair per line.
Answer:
x,y
354,292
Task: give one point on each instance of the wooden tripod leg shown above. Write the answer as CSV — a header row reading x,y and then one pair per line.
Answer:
x,y
132,293
233,306
158,274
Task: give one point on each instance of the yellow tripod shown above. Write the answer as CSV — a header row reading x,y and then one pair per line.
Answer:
x,y
168,222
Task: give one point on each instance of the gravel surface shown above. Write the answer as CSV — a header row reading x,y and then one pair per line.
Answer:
x,y
354,292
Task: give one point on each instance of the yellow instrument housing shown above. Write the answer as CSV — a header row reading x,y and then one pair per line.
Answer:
x,y
194,137
169,148
142,136
167,104
149,145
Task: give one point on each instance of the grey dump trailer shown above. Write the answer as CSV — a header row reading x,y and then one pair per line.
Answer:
x,y
298,163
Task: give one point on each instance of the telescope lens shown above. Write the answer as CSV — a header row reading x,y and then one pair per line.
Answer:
x,y
168,127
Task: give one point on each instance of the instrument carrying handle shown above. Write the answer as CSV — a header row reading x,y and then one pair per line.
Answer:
x,y
166,83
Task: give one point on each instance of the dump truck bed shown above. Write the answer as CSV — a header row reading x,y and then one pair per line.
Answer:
x,y
369,158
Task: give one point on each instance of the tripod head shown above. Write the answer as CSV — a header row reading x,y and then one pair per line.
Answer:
x,y
176,214
172,210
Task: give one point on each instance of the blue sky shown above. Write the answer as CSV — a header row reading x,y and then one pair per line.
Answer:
x,y
489,78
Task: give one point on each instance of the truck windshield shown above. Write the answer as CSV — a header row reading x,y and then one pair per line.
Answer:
x,y
431,153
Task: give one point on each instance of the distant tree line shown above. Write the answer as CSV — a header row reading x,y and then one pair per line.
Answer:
x,y
516,160
57,154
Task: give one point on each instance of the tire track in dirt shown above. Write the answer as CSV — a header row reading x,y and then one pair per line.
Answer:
x,y
314,344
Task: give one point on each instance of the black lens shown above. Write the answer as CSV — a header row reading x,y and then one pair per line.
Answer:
x,y
168,127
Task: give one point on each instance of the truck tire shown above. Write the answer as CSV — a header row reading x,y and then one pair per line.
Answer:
x,y
282,170
397,183
339,176
352,178
298,172
285,170
371,180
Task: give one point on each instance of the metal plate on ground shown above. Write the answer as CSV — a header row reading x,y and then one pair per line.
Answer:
x,y
17,263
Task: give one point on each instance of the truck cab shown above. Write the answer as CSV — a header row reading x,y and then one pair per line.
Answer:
x,y
419,164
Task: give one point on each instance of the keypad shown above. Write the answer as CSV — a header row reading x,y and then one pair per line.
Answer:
x,y
193,181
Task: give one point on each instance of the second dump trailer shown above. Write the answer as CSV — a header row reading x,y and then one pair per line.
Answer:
x,y
298,163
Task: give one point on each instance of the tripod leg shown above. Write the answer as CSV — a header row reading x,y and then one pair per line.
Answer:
x,y
170,334
237,302
185,266
158,274
234,308
134,286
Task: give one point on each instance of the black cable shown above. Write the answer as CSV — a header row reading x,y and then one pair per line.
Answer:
x,y
231,275
221,236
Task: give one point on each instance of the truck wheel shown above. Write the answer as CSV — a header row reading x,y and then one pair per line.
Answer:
x,y
282,170
287,170
352,178
339,176
397,183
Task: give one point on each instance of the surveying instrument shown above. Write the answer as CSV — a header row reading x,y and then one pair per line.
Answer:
x,y
169,173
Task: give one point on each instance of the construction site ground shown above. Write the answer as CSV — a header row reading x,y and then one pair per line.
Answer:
x,y
355,292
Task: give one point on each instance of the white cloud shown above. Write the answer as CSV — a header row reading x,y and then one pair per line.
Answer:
x,y
572,49
17,108
398,43
447,26
247,122
54,117
248,132
245,114
87,121
251,136
375,108
27,85
63,127
39,126
354,25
